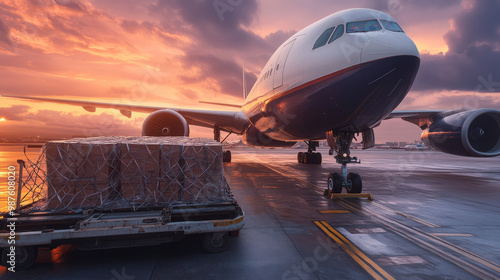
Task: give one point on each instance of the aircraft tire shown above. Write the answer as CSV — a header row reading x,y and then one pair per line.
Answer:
x,y
356,184
334,183
317,158
300,156
226,156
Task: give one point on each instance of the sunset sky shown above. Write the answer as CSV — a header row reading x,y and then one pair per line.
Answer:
x,y
177,52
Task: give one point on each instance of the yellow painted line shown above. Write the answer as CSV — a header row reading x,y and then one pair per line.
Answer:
x,y
348,251
455,248
429,224
270,187
471,268
368,260
354,252
334,211
418,220
453,234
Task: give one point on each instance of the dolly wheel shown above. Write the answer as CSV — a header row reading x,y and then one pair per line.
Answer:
x,y
226,156
22,259
215,242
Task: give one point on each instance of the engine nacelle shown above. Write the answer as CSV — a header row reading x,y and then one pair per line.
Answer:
x,y
253,137
165,123
472,133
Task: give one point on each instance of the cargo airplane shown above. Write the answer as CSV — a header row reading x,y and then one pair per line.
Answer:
x,y
335,79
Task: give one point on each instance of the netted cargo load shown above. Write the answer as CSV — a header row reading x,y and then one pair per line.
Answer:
x,y
129,172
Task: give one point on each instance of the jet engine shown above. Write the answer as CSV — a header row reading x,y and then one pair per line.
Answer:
x,y
473,133
253,137
165,123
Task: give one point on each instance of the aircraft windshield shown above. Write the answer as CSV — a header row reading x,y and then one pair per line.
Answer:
x,y
391,26
338,32
323,38
363,26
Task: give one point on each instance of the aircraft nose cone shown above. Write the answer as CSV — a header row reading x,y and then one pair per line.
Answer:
x,y
388,44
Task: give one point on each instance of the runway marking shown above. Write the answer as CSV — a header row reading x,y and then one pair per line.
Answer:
x,y
418,220
370,266
430,243
401,260
365,230
334,211
453,234
412,234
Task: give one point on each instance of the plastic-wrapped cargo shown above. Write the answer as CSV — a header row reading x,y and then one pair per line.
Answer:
x,y
124,172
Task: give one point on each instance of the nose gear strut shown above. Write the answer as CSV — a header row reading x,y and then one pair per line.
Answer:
x,y
340,143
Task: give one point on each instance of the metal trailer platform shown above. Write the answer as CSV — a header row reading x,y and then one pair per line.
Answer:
x,y
114,229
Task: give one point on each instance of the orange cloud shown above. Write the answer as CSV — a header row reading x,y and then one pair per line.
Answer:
x,y
149,52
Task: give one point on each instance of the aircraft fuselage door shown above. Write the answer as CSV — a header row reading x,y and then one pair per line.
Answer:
x,y
280,65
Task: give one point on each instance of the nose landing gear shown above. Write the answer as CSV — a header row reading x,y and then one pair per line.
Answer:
x,y
340,144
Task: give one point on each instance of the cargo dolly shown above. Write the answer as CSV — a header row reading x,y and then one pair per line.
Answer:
x,y
95,229
152,191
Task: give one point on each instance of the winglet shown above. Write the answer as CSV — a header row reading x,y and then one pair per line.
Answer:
x,y
244,84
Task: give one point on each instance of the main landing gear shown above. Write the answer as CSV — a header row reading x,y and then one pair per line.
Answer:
x,y
340,144
226,155
310,157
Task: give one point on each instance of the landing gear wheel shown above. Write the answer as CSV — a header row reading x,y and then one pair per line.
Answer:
x,y
334,183
215,242
226,156
24,257
354,183
317,158
300,156
309,158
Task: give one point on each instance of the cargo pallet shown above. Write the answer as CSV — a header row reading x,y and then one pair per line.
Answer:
x,y
94,229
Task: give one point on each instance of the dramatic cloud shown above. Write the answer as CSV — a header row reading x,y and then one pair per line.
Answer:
x,y
4,33
226,73
176,52
277,38
14,113
60,123
478,25
395,6
221,24
5,41
474,52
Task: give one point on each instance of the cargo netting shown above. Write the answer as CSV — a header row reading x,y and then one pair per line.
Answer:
x,y
125,173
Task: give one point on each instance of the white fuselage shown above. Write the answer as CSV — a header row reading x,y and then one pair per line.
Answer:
x,y
296,65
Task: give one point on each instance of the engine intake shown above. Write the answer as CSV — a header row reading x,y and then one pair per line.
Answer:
x,y
473,133
165,123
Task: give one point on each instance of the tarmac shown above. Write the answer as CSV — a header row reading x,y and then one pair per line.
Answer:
x,y
433,216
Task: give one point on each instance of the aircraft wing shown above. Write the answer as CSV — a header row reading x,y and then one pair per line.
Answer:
x,y
422,118
230,121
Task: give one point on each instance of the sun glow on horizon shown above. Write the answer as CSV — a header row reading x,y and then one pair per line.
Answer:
x,y
2,120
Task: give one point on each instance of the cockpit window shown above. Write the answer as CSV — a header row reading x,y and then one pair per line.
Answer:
x,y
338,32
391,26
323,38
363,26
